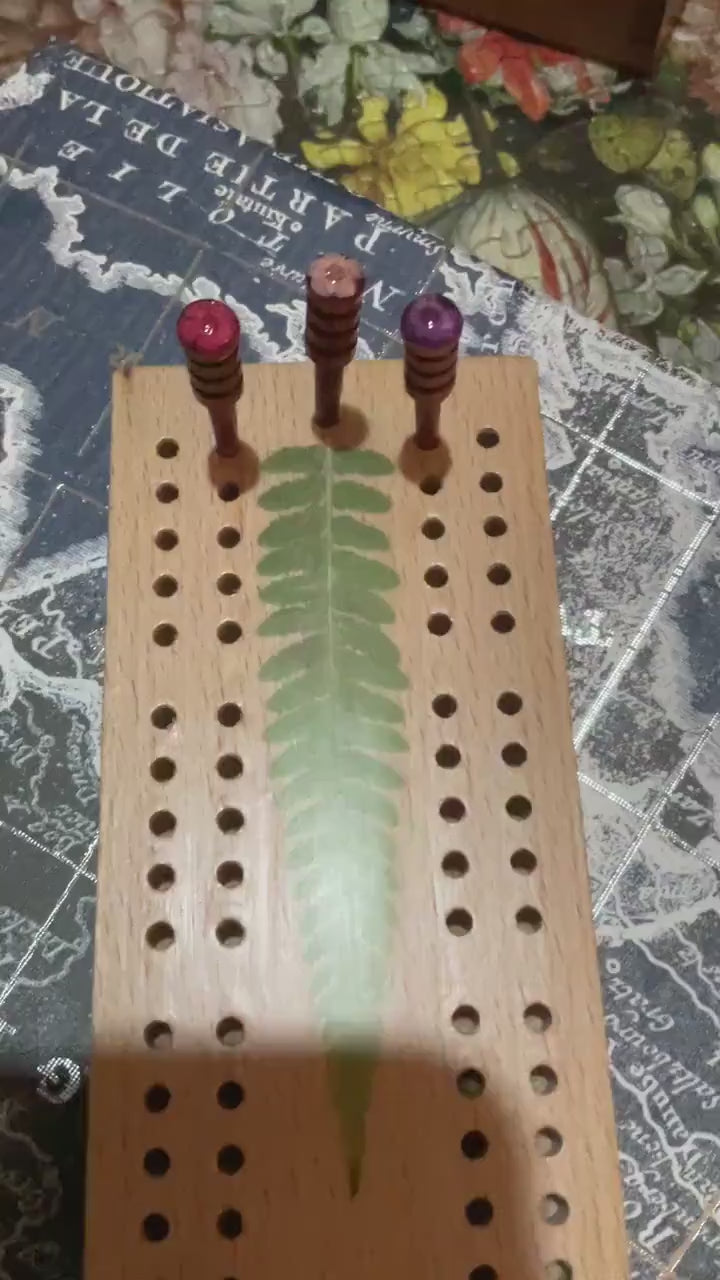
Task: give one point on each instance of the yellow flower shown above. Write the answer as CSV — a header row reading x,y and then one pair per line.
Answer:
x,y
427,162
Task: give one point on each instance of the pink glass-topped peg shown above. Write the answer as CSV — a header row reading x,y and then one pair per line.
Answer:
x,y
334,297
209,333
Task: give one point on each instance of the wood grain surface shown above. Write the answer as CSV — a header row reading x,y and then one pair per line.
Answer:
x,y
215,1147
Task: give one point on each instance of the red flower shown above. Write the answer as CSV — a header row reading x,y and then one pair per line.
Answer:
x,y
518,65
452,26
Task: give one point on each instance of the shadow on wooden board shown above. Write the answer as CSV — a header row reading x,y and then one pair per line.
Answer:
x,y
231,1166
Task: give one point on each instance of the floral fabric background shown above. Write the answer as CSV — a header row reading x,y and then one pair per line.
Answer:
x,y
601,191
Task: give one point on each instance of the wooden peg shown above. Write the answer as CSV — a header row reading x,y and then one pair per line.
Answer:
x,y
431,326
334,297
209,333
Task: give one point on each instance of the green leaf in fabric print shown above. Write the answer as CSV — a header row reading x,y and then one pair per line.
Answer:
x,y
336,718
297,460
348,495
349,532
292,493
361,571
288,529
362,462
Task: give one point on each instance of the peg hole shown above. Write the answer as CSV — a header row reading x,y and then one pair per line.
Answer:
x,y
433,528
495,526
162,769
479,1211
229,766
160,936
447,756
158,1035
228,584
483,1272
228,537
230,1095
162,822
230,1159
229,491
436,576
165,634
471,1083
444,705
487,438
229,1224
491,482
156,1162
509,703
155,1227
528,920
439,624
166,539
543,1079
459,922
499,574
514,754
167,447
165,585
230,933
228,632
537,1018
161,877
157,1098
519,808
230,1032
230,821
431,485
503,622
558,1270
167,492
523,861
554,1210
466,1019
548,1142
452,809
229,714
455,864
474,1145
163,716
230,875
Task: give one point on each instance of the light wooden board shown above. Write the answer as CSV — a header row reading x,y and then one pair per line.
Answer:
x,y
448,1184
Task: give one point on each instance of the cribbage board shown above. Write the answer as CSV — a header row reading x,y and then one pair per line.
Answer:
x,y
347,1017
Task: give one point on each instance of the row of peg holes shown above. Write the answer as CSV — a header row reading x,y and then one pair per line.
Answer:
x,y
161,877
465,1019
229,1160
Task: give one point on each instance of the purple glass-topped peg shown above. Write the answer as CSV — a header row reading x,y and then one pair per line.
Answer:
x,y
431,321
431,326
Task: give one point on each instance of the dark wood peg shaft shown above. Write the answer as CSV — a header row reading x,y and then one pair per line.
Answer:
x,y
209,333
431,326
334,297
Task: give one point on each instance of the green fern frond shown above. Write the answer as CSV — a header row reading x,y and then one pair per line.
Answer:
x,y
336,725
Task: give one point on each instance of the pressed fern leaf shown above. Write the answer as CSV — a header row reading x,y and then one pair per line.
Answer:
x,y
336,725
